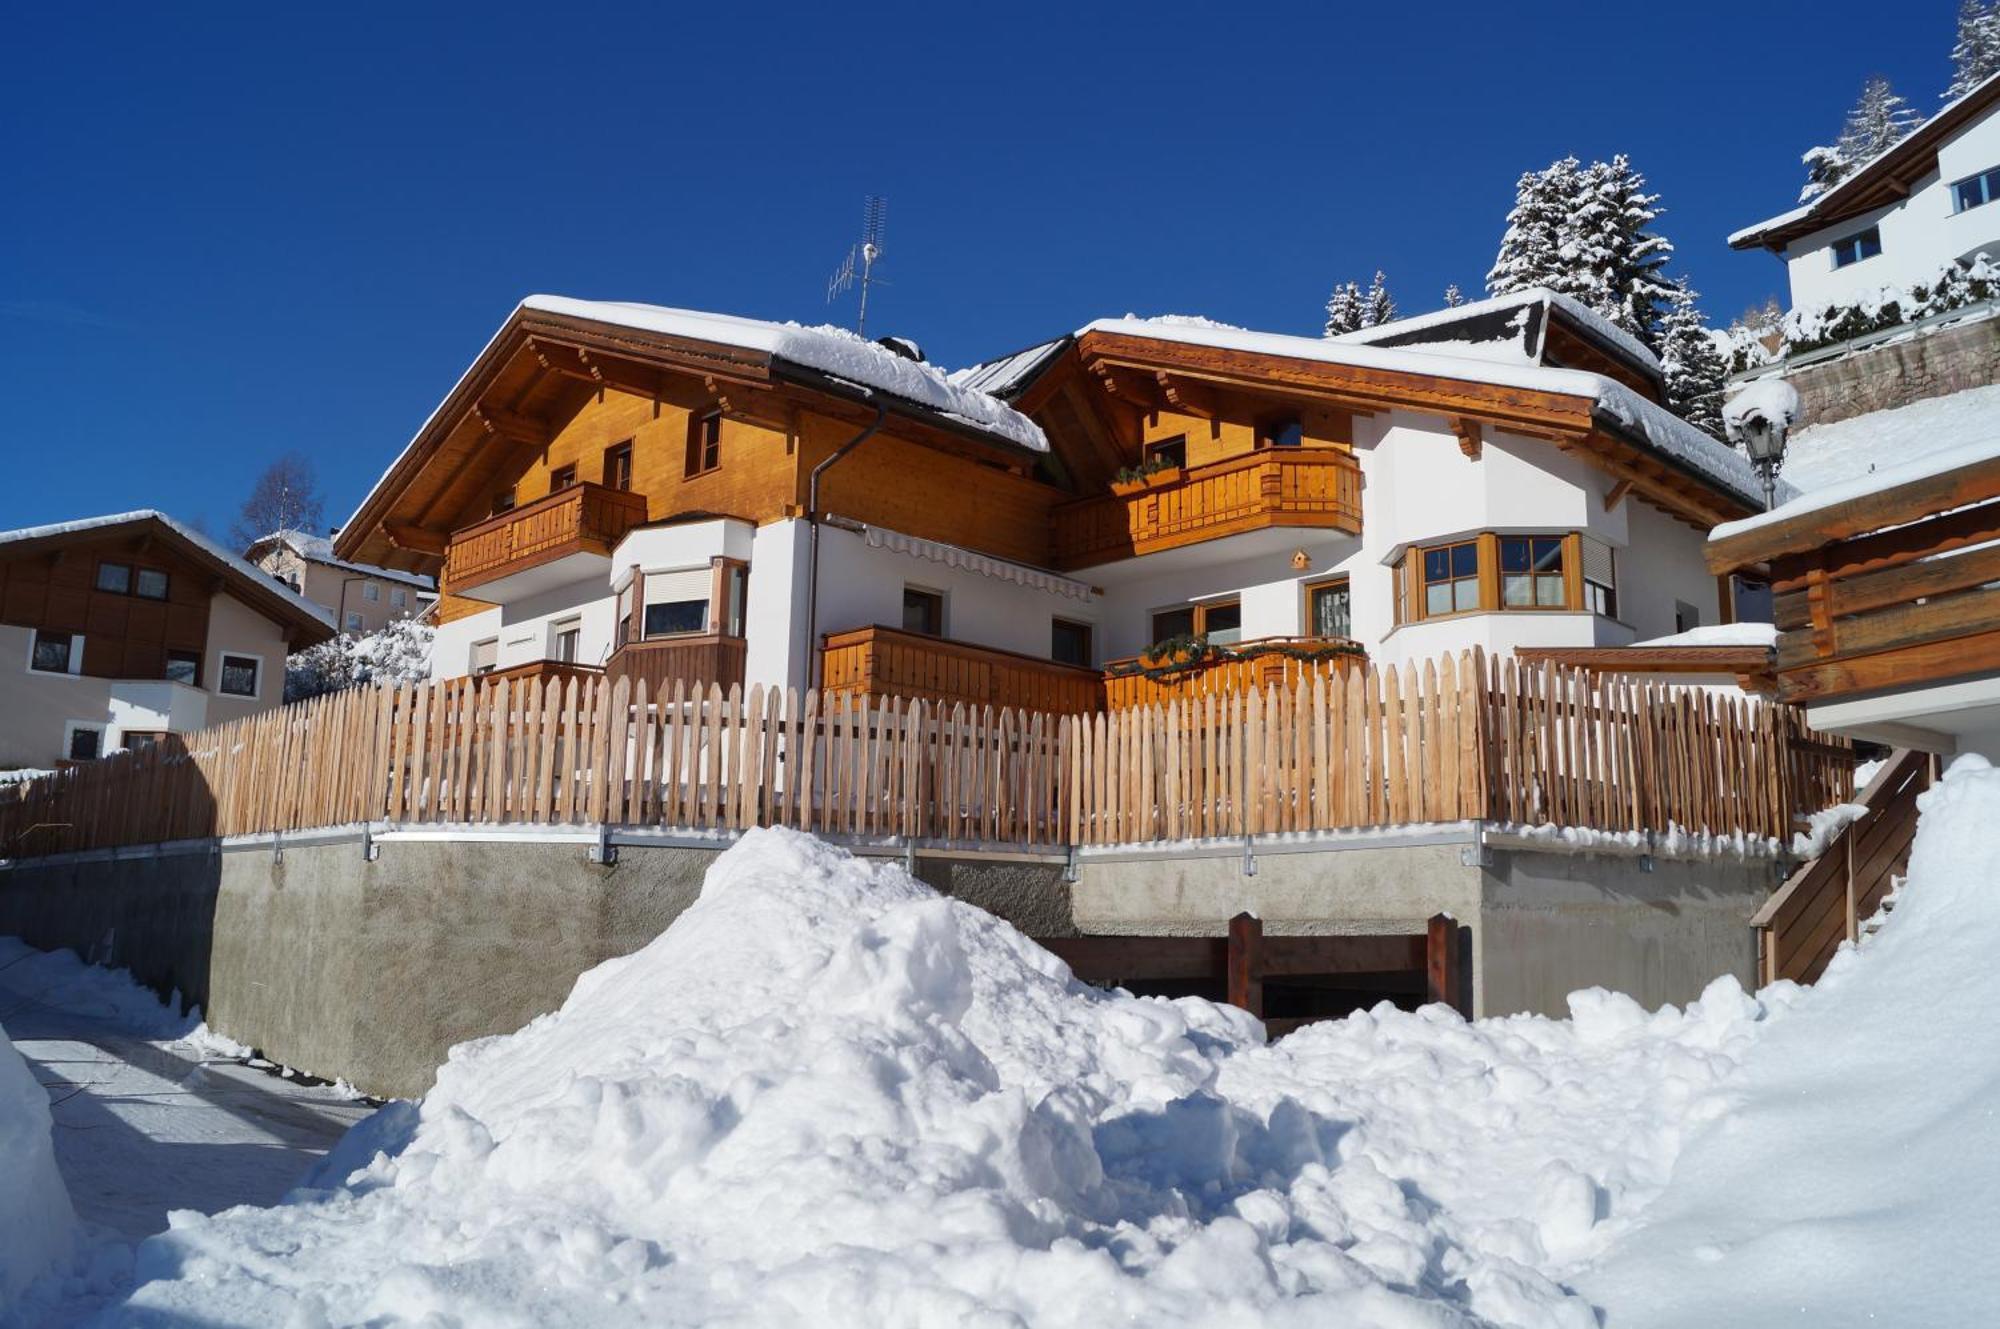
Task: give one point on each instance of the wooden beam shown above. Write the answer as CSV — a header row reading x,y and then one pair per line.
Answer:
x,y
1897,505
514,426
1187,396
1469,435
1904,584
1903,668
416,539
1127,388
1617,495
1894,629
1245,980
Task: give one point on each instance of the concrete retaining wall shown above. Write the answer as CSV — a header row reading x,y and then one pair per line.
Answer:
x,y
1888,374
371,971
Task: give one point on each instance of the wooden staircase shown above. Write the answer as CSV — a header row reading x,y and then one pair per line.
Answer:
x,y
1832,898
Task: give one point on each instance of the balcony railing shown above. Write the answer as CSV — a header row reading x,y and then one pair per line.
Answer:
x,y
1254,665
582,519
664,661
1308,487
888,662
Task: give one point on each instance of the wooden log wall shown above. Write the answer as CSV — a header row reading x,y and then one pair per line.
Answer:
x,y
1452,739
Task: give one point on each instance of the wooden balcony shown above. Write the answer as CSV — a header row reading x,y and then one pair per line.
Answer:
x,y
1278,487
538,672
662,662
885,662
1270,666
579,525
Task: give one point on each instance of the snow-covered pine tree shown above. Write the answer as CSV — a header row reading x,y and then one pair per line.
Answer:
x,y
1879,120
1377,307
1453,297
1975,56
1531,249
1344,309
1691,362
1626,257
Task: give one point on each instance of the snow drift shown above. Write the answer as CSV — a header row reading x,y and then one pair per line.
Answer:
x,y
827,1095
37,1225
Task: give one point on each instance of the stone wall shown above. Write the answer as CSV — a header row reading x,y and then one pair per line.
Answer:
x,y
1895,373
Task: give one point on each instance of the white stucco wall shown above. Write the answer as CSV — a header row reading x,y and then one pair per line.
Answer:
x,y
234,628
1920,234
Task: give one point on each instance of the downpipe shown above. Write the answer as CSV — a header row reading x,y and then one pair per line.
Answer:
x,y
813,653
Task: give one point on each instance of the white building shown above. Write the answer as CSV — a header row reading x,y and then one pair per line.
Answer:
x,y
362,599
1897,220
1497,475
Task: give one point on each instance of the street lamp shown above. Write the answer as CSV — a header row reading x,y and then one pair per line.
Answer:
x,y
1758,418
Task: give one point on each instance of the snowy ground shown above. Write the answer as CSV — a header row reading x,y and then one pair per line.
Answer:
x,y
151,1112
1822,455
827,1096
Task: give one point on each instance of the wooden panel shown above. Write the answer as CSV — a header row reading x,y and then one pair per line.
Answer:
x,y
585,518
882,662
125,635
1225,677
664,661
1304,487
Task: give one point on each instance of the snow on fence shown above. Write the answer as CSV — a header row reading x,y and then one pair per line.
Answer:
x,y
1458,738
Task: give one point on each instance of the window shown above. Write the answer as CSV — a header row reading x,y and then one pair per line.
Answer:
x,y
83,742
561,478
1753,599
735,597
184,667
674,618
923,611
568,638
370,591
398,597
1686,616
114,577
1167,451
618,466
1329,610
354,623
1862,244
1069,642
151,584
704,446
1221,621
56,653
484,656
1280,431
1531,572
1451,579
239,675
1977,190
503,501
1600,578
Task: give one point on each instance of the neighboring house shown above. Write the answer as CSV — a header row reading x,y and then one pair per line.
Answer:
x,y
1899,218
361,598
117,630
678,496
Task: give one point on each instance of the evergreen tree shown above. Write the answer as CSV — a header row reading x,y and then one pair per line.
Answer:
x,y
1692,363
1453,297
1879,120
1975,57
1344,309
1378,308
1531,249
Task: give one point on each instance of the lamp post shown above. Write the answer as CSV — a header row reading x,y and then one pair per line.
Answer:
x,y
1758,418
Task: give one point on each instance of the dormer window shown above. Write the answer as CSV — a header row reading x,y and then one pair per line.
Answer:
x,y
1860,245
1977,190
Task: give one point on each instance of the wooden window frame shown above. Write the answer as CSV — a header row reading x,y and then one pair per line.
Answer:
x,y
1413,601
571,628
1272,425
222,659
1198,610
1312,588
704,447
618,466
1567,550
1089,631
562,477
1149,452
728,575
139,576
97,578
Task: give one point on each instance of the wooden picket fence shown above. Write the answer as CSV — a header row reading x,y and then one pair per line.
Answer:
x,y
1457,738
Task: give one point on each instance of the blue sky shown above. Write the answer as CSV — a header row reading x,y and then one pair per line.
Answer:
x,y
233,230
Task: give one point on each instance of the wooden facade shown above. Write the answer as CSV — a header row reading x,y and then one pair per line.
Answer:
x,y
1891,590
580,519
1126,686
889,662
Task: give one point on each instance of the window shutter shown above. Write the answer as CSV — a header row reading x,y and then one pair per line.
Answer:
x,y
670,587
1597,562
485,654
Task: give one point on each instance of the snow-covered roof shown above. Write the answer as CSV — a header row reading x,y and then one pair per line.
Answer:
x,y
1004,376
1860,486
1822,455
1573,309
319,549
1646,422
221,555
829,350
1718,634
1915,148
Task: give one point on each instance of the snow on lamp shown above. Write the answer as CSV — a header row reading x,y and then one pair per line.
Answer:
x,y
1757,419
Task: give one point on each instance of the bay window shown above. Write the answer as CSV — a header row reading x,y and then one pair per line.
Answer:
x,y
1489,573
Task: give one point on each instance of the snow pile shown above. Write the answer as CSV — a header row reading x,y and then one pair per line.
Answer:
x,y
37,1225
398,652
1719,634
1822,455
60,978
830,350
828,1096
1857,1178
1768,402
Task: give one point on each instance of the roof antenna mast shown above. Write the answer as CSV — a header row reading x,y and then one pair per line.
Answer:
x,y
874,212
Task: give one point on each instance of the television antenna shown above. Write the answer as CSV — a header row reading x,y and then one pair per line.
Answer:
x,y
874,212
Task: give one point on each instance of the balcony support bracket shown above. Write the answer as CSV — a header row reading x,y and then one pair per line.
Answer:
x,y
1249,856
602,851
